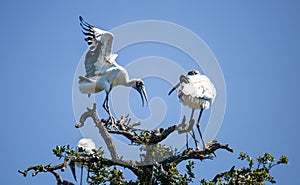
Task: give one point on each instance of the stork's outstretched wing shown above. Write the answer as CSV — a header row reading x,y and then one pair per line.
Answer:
x,y
99,56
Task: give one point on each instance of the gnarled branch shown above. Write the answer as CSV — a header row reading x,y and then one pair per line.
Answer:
x,y
207,153
149,138
135,135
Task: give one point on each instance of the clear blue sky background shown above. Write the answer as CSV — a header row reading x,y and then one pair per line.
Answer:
x,y
255,42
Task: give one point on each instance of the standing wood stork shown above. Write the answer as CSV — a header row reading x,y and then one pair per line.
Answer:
x,y
86,146
197,92
102,71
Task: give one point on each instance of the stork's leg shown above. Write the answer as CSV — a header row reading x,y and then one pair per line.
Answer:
x,y
198,127
106,107
193,133
194,137
105,104
187,140
186,134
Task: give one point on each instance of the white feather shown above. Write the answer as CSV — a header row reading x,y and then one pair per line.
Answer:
x,y
102,71
87,145
198,93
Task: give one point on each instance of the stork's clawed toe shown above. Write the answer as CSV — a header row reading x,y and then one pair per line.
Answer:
x,y
204,148
112,120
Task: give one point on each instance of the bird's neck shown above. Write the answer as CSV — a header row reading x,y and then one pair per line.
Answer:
x,y
129,83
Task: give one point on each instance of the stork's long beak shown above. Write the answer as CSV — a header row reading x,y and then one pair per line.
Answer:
x,y
142,91
173,89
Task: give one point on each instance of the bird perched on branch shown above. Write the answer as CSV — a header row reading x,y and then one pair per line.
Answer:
x,y
197,92
86,146
102,71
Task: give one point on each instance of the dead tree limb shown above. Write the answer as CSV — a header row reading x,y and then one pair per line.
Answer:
x,y
148,138
208,153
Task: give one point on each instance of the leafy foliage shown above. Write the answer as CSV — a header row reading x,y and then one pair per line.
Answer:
x,y
99,172
172,175
249,175
256,172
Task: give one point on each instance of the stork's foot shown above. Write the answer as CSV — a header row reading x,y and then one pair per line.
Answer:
x,y
204,148
110,122
113,121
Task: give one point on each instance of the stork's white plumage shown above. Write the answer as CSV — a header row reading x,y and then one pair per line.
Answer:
x,y
86,146
102,71
197,92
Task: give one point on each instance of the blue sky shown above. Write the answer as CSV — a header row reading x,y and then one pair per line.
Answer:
x,y
256,44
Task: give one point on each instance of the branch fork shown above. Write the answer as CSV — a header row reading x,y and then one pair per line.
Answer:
x,y
137,136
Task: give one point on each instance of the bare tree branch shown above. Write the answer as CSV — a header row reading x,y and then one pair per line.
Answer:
x,y
107,139
207,153
52,169
135,135
80,159
148,138
102,130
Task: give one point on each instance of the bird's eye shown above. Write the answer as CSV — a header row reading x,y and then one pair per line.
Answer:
x,y
138,84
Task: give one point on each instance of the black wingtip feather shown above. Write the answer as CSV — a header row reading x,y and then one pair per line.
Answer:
x,y
88,34
88,38
84,23
83,26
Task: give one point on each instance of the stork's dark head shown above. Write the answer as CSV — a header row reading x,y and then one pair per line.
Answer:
x,y
139,86
193,72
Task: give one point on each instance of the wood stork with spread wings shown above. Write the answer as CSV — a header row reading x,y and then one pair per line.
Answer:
x,y
197,92
102,71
